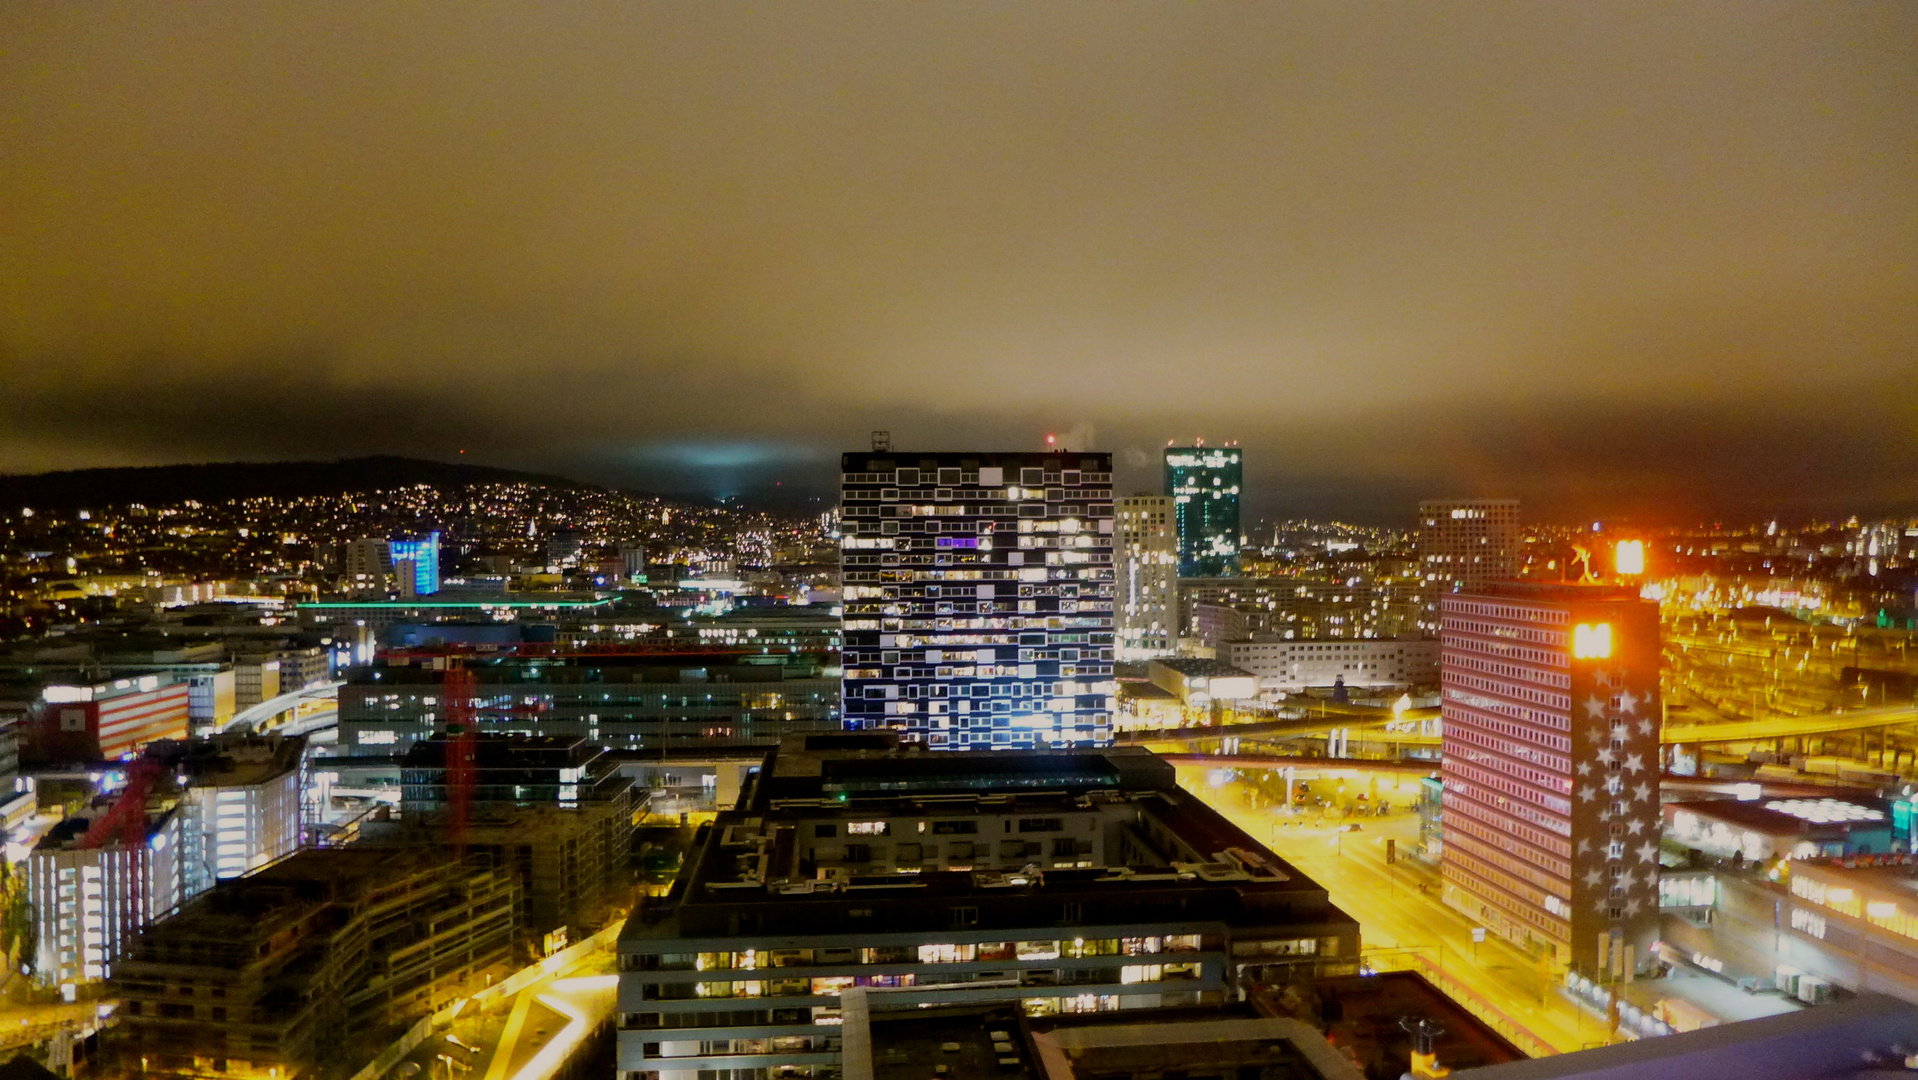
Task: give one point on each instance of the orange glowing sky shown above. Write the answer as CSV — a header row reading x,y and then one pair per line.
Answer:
x,y
1652,258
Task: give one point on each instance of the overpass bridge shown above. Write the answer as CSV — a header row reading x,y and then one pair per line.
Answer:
x,y
1716,732
1791,727
256,717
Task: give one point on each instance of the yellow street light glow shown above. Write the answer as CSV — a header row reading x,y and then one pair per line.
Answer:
x,y
1591,641
1629,557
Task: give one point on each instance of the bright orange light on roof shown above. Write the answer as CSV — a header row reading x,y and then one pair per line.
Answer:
x,y
1628,558
1591,641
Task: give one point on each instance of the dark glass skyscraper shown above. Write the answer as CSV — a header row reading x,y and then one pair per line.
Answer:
x,y
1203,482
978,597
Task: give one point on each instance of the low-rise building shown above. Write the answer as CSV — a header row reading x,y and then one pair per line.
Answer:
x,y
1764,831
1198,683
1062,880
1296,665
278,973
241,808
78,719
91,895
642,705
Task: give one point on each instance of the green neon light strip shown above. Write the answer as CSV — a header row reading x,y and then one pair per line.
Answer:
x,y
458,604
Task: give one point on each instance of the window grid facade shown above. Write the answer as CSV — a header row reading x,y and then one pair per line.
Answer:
x,y
1465,544
1148,577
1203,484
979,597
1550,804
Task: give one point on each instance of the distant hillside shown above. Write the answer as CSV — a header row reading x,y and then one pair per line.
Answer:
x,y
161,484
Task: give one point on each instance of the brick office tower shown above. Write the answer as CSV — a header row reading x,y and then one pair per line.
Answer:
x,y
1551,814
978,597
1463,544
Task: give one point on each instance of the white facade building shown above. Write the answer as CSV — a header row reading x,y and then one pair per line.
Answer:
x,y
1296,665
242,807
89,903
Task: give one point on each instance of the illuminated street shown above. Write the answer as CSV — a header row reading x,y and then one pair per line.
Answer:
x,y
528,1036
1401,918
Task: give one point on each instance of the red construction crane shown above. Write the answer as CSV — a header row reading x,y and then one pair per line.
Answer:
x,y
126,819
126,822
462,744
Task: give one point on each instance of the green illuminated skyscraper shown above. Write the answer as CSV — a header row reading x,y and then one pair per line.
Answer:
x,y
1203,483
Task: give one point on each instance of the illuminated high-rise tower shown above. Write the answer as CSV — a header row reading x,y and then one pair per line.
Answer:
x,y
1148,558
978,597
1203,484
416,564
1551,814
1463,544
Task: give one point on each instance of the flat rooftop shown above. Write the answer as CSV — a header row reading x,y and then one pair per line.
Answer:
x,y
232,760
1108,831
544,671
1193,667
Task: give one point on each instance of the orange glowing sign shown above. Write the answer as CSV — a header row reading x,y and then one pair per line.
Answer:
x,y
1628,558
1591,641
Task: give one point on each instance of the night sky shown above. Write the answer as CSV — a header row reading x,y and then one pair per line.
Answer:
x,y
1615,259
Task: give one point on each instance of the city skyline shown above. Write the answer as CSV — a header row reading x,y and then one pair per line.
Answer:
x,y
1654,264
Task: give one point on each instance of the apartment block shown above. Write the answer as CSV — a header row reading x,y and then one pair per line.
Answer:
x,y
978,597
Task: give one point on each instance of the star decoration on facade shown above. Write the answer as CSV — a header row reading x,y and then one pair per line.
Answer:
x,y
1584,846
1642,792
1594,707
1626,880
1631,908
1635,827
1598,905
1648,852
1634,762
1584,768
1605,814
1645,727
1621,732
1593,877
1597,735
1627,702
1587,793
1606,755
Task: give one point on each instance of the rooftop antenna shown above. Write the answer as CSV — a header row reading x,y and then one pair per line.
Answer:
x,y
882,442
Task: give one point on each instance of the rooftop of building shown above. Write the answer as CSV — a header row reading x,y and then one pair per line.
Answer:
x,y
1163,1044
1786,817
1051,460
1553,591
952,1042
1152,845
457,602
550,671
1366,1010
1884,874
231,760
285,893
495,750
1867,1036
1195,667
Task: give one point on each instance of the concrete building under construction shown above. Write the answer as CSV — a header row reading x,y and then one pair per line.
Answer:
x,y
276,973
